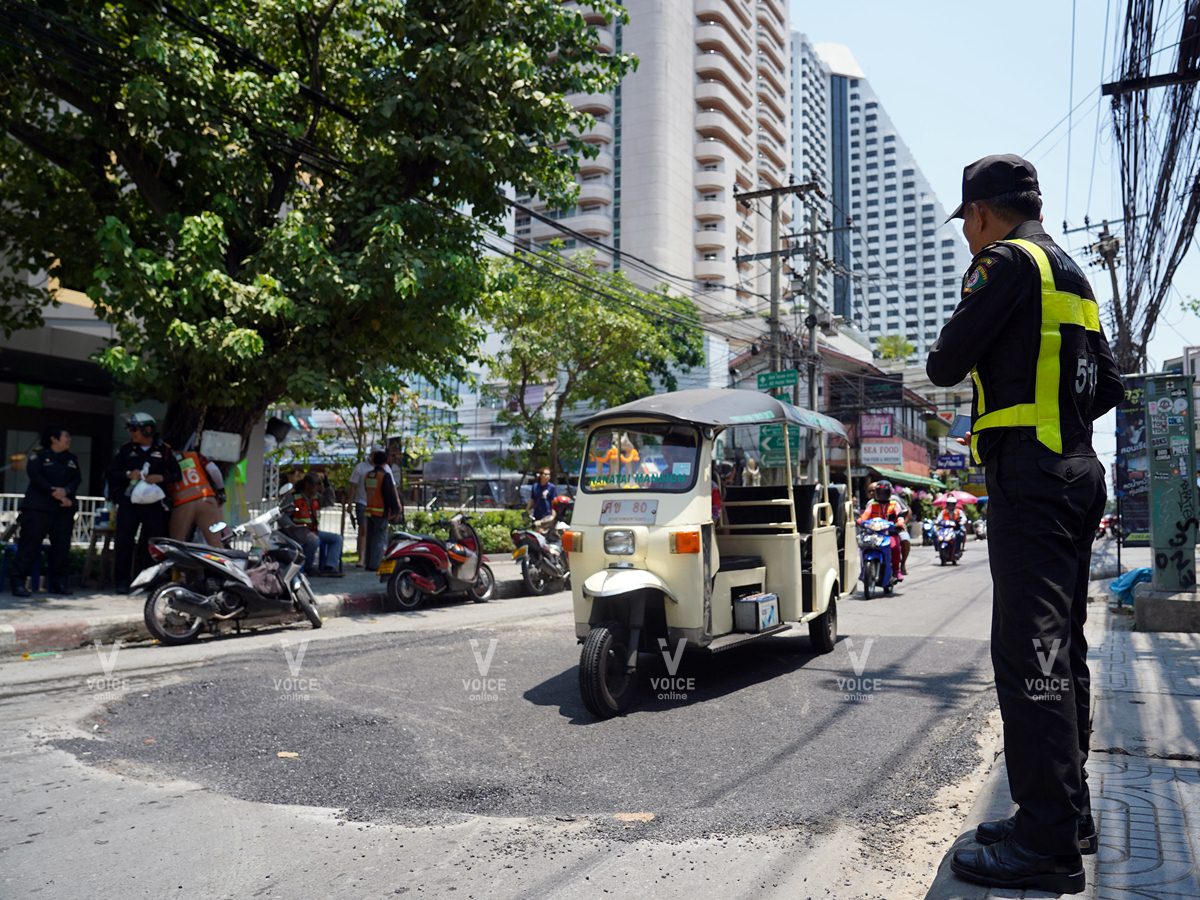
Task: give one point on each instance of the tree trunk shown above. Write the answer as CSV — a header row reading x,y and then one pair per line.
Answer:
x,y
183,419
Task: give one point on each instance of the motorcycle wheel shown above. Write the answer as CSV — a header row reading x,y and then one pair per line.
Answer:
x,y
869,576
307,601
535,581
484,586
165,622
822,631
942,552
605,685
402,591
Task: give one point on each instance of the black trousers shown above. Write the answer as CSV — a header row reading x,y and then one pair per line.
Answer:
x,y
153,520
36,524
1043,510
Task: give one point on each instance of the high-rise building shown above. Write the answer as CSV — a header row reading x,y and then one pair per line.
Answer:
x,y
898,267
705,116
810,155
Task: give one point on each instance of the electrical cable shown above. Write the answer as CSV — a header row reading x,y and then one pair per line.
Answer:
x,y
1070,126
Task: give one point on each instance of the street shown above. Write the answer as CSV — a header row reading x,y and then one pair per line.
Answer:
x,y
447,750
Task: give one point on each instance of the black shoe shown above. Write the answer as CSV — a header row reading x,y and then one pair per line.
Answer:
x,y
993,832
1006,864
19,590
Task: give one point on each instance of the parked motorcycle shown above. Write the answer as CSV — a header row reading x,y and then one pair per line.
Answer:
x,y
946,539
875,538
192,586
417,566
544,563
980,528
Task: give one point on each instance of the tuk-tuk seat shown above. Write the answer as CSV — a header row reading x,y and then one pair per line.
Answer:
x,y
740,493
735,563
806,497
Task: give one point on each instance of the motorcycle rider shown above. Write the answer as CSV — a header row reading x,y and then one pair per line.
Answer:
x,y
952,515
144,449
885,506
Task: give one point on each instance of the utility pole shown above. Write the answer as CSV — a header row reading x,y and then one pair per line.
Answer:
x,y
813,356
776,255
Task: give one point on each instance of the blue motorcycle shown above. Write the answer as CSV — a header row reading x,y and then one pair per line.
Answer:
x,y
948,539
875,545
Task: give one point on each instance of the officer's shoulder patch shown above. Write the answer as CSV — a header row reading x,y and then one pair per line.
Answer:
x,y
976,279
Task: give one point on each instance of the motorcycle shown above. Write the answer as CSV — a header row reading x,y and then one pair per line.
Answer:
x,y
543,560
980,528
949,547
927,532
417,566
875,538
192,586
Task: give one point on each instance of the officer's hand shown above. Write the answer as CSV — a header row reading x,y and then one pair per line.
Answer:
x,y
135,475
58,493
965,439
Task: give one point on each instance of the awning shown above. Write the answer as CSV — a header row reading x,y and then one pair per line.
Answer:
x,y
907,478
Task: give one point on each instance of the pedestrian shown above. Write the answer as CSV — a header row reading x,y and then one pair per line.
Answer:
x,y
138,523
1028,332
541,496
322,549
360,504
197,499
48,508
383,505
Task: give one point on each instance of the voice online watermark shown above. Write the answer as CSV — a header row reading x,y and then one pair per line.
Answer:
x,y
1048,687
295,686
107,686
858,688
673,686
484,688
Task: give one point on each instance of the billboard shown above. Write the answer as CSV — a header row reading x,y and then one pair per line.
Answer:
x,y
875,425
1131,480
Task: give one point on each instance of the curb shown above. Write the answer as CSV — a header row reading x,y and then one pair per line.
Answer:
x,y
992,803
16,640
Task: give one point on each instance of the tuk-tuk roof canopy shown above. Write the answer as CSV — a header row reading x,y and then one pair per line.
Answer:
x,y
721,407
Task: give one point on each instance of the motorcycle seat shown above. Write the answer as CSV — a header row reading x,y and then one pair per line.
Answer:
x,y
220,551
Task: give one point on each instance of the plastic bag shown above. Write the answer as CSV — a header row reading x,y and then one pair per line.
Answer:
x,y
144,492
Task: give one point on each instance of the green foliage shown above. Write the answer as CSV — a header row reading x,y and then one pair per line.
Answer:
x,y
894,346
494,527
595,347
261,197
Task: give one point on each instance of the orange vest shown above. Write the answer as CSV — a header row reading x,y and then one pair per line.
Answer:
x,y
194,485
306,512
373,485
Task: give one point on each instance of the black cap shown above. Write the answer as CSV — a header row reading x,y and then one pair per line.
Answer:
x,y
992,176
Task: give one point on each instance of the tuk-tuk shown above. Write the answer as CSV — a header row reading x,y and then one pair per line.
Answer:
x,y
662,553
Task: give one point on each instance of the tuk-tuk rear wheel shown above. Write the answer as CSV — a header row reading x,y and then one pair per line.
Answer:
x,y
605,685
822,631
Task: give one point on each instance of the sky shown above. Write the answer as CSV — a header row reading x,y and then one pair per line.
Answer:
x,y
961,80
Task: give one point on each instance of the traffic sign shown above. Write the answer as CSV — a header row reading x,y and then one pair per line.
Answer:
x,y
770,444
952,461
770,380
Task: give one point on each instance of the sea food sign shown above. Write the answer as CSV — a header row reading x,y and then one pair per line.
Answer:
x,y
881,453
1172,451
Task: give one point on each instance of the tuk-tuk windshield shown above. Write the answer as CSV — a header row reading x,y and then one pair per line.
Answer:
x,y
654,457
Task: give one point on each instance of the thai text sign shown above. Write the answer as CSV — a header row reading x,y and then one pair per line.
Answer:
x,y
876,425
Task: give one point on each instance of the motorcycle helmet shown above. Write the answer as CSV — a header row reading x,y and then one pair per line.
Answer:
x,y
951,502
140,421
883,490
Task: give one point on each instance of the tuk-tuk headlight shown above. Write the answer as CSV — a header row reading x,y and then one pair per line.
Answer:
x,y
619,542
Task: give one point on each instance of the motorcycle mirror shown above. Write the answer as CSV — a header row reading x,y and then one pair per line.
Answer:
x,y
286,489
217,528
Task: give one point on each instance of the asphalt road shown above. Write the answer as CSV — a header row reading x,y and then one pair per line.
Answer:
x,y
447,752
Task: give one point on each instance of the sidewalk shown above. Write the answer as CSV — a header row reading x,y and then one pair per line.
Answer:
x,y
47,622
1144,768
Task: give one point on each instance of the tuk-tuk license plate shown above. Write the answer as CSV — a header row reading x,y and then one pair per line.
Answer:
x,y
520,551
628,512
387,567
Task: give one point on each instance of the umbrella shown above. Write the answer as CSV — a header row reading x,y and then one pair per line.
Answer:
x,y
960,496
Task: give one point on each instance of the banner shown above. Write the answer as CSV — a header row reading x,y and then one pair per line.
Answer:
x,y
875,425
1131,479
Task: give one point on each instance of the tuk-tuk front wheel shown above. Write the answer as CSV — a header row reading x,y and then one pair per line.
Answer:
x,y
605,684
822,631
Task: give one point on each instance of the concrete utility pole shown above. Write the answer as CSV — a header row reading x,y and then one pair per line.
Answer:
x,y
775,254
813,355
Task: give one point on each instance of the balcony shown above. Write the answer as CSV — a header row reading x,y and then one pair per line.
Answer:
x,y
712,179
713,270
596,192
744,178
604,40
772,25
773,151
773,77
598,224
722,127
596,104
599,133
773,103
772,123
602,163
719,11
775,8
713,96
711,210
714,151
713,64
773,52
736,40
769,173
710,236
745,230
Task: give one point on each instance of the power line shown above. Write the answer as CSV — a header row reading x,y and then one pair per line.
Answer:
x,y
1096,142
1070,104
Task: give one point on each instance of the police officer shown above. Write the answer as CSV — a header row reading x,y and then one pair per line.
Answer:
x,y
144,448
1028,332
48,508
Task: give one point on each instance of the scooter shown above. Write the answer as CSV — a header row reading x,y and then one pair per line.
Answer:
x,y
544,562
192,586
949,547
875,538
926,532
980,528
417,566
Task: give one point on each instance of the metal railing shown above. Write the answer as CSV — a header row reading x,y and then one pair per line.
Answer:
x,y
85,515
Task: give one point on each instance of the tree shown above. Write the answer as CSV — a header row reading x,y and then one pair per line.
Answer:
x,y
577,336
263,197
894,346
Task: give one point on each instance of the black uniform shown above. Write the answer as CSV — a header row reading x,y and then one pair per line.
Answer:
x,y
1043,508
42,514
152,518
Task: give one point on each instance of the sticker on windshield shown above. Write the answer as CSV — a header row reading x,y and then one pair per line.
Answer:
x,y
628,512
682,468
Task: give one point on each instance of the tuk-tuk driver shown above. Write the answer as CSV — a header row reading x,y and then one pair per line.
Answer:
x,y
679,452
